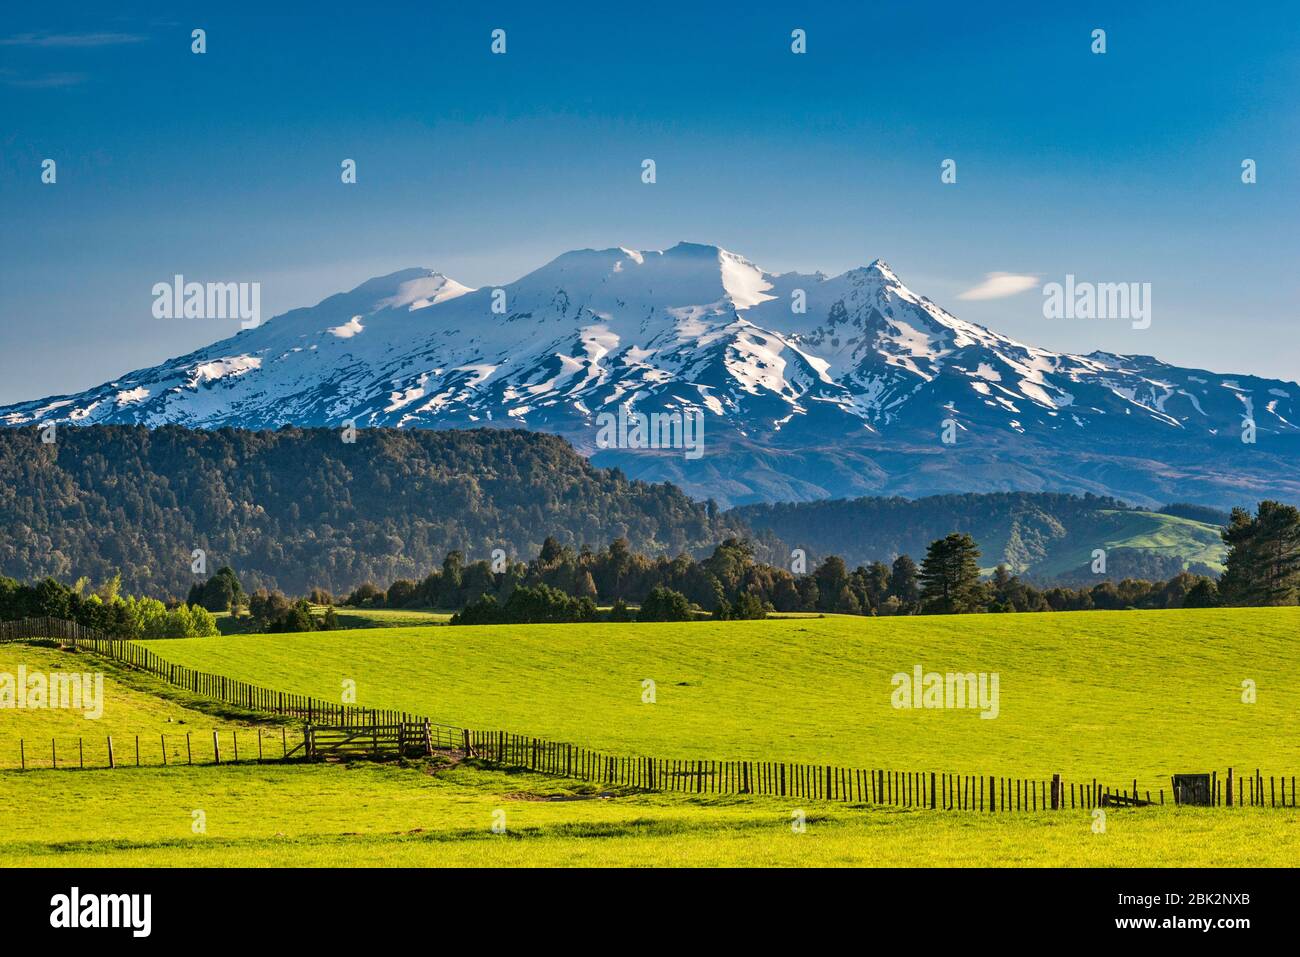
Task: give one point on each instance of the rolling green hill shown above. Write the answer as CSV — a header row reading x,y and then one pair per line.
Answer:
x,y
133,705
1115,695
1176,540
1046,537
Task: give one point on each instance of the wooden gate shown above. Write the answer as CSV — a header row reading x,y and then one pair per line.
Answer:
x,y
1192,789
375,741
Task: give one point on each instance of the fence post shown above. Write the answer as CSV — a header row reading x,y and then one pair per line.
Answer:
x,y
111,764
1229,787
1056,792
216,748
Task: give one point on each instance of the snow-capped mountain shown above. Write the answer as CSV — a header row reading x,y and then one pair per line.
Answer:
x,y
809,385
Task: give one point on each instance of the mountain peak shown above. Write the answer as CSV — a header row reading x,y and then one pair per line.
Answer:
x,y
426,288
881,268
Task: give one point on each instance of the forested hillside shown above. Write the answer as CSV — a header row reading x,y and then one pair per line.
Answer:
x,y
298,508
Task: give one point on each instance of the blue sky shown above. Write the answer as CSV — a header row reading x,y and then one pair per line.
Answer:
x,y
1116,167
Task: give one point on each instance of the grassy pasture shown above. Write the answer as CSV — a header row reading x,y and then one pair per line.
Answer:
x,y
352,618
133,704
1115,695
329,815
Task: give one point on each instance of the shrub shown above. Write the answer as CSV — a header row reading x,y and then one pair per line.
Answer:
x,y
748,607
527,605
665,604
367,595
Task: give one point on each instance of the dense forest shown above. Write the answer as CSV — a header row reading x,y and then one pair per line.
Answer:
x,y
299,508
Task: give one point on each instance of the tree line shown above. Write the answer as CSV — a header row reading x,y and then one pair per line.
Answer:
x,y
103,608
561,583
617,583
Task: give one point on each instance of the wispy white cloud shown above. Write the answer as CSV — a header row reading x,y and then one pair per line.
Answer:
x,y
47,81
70,39
999,285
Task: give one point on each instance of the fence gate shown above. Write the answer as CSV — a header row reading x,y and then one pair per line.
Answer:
x,y
1192,789
348,742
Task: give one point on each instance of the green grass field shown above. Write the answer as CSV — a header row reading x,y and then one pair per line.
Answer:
x,y
1111,695
134,705
352,618
1115,695
383,815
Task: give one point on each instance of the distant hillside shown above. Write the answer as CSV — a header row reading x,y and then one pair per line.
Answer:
x,y
298,508
1042,536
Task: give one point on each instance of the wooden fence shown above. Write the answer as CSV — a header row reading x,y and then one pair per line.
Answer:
x,y
935,790
29,629
333,723
164,749
230,691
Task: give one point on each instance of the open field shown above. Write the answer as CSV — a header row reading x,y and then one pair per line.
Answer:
x,y
134,704
1111,695
353,618
404,816
386,617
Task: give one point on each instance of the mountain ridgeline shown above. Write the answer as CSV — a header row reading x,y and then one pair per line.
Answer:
x,y
809,386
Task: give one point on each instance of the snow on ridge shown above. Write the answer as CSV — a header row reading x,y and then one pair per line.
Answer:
x,y
597,327
229,367
128,396
348,329
424,292
745,283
